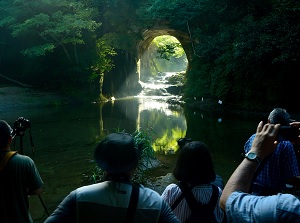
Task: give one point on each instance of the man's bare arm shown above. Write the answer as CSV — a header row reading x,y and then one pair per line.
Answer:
x,y
263,145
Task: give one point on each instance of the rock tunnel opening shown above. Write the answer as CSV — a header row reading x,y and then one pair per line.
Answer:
x,y
164,54
155,52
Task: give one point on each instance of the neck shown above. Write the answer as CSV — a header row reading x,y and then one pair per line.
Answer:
x,y
117,177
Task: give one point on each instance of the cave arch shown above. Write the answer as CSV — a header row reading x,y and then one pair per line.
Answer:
x,y
149,35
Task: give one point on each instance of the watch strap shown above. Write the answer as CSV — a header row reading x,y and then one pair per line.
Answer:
x,y
256,159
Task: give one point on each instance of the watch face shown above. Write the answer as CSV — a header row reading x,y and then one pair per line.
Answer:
x,y
251,156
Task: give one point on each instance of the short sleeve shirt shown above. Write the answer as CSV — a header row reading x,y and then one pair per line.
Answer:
x,y
19,176
243,207
281,166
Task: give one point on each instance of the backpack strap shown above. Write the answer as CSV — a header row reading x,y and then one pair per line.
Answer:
x,y
210,207
132,204
6,158
189,197
178,200
182,195
194,204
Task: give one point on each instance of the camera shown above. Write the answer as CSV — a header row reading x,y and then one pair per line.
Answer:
x,y
288,133
21,124
182,141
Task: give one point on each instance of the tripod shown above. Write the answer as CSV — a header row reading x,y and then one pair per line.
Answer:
x,y
20,131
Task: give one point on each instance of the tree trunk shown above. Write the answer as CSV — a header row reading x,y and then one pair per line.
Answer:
x,y
67,53
101,79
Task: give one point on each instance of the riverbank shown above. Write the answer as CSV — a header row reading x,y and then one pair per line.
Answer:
x,y
220,107
13,98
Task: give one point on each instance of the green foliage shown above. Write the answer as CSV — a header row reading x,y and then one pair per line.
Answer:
x,y
167,47
250,58
105,51
55,23
177,79
176,11
40,50
144,141
56,39
239,51
167,55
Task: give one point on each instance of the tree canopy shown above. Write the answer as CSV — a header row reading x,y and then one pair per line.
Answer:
x,y
245,53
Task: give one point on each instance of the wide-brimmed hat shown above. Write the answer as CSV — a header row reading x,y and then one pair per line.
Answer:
x,y
116,153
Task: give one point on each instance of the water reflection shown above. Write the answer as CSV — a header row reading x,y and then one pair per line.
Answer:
x,y
166,121
65,138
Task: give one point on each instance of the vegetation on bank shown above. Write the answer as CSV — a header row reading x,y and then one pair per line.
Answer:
x,y
244,53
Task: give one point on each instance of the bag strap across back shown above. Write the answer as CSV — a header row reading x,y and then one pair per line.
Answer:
x,y
191,200
6,158
132,204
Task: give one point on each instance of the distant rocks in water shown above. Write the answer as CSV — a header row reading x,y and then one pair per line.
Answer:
x,y
174,89
175,101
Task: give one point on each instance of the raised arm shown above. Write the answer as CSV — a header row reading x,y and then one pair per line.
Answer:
x,y
263,145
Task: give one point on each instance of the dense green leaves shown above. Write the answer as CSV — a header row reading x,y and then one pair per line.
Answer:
x,y
55,23
168,46
57,33
243,52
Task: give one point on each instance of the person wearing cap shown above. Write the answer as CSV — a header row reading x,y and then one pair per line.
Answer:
x,y
281,166
116,199
19,179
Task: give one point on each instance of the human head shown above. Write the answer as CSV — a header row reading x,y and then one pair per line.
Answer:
x,y
194,164
5,134
116,154
279,116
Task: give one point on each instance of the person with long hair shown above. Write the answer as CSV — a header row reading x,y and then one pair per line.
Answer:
x,y
194,172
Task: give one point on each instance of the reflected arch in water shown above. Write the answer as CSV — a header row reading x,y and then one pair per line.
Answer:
x,y
166,123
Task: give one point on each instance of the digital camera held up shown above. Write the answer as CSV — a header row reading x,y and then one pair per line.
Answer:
x,y
288,133
20,125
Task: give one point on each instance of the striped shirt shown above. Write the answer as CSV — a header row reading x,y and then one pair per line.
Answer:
x,y
281,166
202,194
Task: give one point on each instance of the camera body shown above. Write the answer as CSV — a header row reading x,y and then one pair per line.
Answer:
x,y
21,124
182,141
288,133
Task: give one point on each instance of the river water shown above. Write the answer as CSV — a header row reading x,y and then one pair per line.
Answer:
x,y
64,139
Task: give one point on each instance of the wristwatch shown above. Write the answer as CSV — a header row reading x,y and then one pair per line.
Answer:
x,y
252,157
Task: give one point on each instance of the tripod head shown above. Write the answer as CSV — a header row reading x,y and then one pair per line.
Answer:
x,y
20,126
